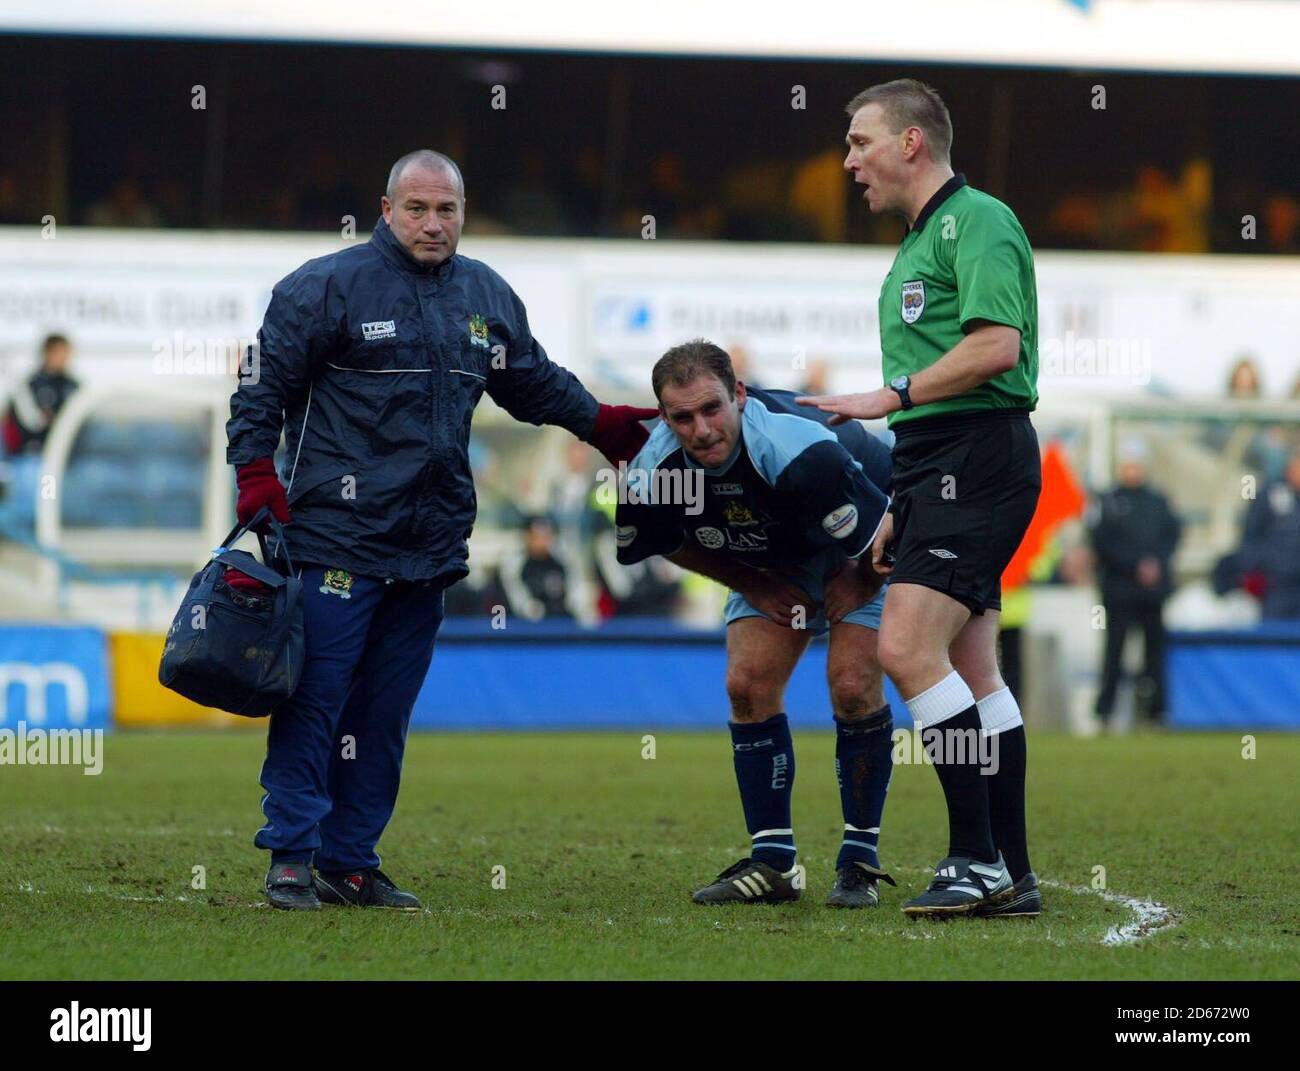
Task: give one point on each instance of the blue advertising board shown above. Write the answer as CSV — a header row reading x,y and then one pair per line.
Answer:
x,y
632,674
53,677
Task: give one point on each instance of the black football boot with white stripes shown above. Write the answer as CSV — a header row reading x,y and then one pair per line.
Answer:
x,y
856,886
1026,902
961,886
750,882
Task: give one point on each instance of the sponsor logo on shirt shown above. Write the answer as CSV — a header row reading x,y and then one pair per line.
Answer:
x,y
710,538
840,523
744,541
726,489
379,329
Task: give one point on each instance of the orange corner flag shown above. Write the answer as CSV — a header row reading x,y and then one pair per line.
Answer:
x,y
1061,499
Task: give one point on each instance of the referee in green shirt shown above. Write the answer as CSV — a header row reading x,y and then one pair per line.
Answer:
x,y
959,334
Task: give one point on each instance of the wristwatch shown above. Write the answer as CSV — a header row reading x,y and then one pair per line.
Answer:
x,y
901,385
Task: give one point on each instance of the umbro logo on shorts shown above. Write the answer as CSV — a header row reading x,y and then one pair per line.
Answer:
x,y
941,553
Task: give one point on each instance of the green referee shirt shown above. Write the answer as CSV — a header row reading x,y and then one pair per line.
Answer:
x,y
965,259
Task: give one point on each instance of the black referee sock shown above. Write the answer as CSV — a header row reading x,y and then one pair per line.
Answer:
x,y
1007,800
954,747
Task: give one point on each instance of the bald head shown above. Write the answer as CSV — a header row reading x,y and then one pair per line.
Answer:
x,y
424,160
424,206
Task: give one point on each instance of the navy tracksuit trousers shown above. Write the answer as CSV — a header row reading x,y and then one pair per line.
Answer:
x,y
334,748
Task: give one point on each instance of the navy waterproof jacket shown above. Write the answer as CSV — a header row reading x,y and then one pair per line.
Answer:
x,y
372,365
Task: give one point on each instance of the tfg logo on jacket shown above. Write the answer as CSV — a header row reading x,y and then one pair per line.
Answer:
x,y
373,332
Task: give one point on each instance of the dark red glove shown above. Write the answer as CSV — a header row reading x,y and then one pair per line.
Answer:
x,y
1256,583
618,433
259,486
12,436
245,583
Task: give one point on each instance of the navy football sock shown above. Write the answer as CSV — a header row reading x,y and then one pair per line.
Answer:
x,y
864,763
764,759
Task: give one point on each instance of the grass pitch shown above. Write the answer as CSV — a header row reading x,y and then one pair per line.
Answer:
x,y
601,849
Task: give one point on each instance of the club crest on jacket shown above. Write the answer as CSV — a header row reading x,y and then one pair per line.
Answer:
x,y
337,582
478,331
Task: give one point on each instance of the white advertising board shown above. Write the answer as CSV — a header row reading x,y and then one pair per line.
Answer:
x,y
175,304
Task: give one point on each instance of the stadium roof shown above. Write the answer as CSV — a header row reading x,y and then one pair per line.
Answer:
x,y
1206,36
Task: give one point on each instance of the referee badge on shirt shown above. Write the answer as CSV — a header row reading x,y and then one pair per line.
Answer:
x,y
913,301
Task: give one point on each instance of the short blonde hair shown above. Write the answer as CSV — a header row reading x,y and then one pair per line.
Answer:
x,y
906,102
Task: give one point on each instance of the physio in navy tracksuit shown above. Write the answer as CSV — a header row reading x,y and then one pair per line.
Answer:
x,y
371,360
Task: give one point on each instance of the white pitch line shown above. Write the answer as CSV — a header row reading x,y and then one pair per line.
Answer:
x,y
153,899
1151,916
127,831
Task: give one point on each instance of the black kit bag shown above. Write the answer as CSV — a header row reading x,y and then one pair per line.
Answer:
x,y
233,650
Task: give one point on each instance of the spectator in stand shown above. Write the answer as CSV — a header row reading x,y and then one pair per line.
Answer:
x,y
1269,559
817,378
530,204
1266,445
325,195
1244,379
1282,223
650,588
569,502
741,365
37,401
11,207
583,196
125,206
1134,533
1268,450
535,580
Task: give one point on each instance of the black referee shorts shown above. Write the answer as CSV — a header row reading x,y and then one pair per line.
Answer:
x,y
965,489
